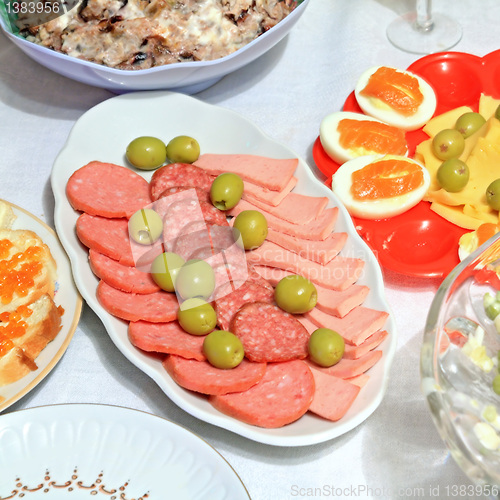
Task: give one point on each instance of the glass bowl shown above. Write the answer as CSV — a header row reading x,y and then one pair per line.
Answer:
x,y
459,360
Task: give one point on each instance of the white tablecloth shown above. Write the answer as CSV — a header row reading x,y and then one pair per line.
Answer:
x,y
397,452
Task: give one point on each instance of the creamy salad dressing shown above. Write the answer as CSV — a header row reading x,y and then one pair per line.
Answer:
x,y
138,34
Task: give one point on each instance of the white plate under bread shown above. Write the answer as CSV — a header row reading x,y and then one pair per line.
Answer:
x,y
66,296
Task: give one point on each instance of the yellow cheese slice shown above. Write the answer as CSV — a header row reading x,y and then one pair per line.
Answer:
x,y
456,216
487,106
445,120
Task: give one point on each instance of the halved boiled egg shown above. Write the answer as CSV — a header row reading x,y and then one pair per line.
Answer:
x,y
345,135
471,241
399,98
378,187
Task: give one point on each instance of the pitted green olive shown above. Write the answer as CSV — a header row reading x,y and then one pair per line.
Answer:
x,y
251,227
295,294
183,149
196,278
223,349
326,347
226,191
146,153
165,269
197,316
145,226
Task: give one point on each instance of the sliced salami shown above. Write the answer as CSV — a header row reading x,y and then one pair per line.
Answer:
x,y
282,396
178,174
158,307
125,278
201,376
189,244
107,190
269,333
167,338
226,306
110,237
203,195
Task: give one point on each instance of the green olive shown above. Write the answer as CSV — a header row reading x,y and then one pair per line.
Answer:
x,y
493,310
493,195
295,294
468,123
165,269
448,143
223,349
453,175
226,191
197,316
251,227
183,149
326,347
497,113
146,153
496,384
145,226
196,278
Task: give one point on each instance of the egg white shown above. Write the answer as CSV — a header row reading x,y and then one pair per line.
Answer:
x,y
375,209
378,109
330,137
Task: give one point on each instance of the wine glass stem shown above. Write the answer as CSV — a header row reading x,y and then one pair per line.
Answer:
x,y
424,20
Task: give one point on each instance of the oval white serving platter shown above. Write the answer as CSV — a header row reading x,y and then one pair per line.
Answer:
x,y
103,134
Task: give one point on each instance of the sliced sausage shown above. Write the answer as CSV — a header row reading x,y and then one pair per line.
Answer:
x,y
110,237
178,174
226,306
269,333
201,376
167,338
125,278
203,195
333,396
107,190
158,307
282,396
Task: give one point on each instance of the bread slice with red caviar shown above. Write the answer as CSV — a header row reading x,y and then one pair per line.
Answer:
x,y
27,269
29,317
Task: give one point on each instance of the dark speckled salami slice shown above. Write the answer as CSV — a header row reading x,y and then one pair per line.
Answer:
x,y
178,174
226,306
125,278
201,376
107,190
158,307
167,338
270,334
282,396
203,195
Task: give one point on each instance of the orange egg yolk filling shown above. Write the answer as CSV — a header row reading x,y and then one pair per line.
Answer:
x,y
372,136
18,273
485,231
386,179
398,90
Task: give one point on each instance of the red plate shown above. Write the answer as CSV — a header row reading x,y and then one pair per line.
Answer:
x,y
419,242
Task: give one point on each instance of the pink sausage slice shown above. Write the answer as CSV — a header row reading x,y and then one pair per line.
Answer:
x,y
348,368
125,278
226,306
282,396
110,237
167,338
178,174
270,173
333,396
158,307
201,376
107,190
269,334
